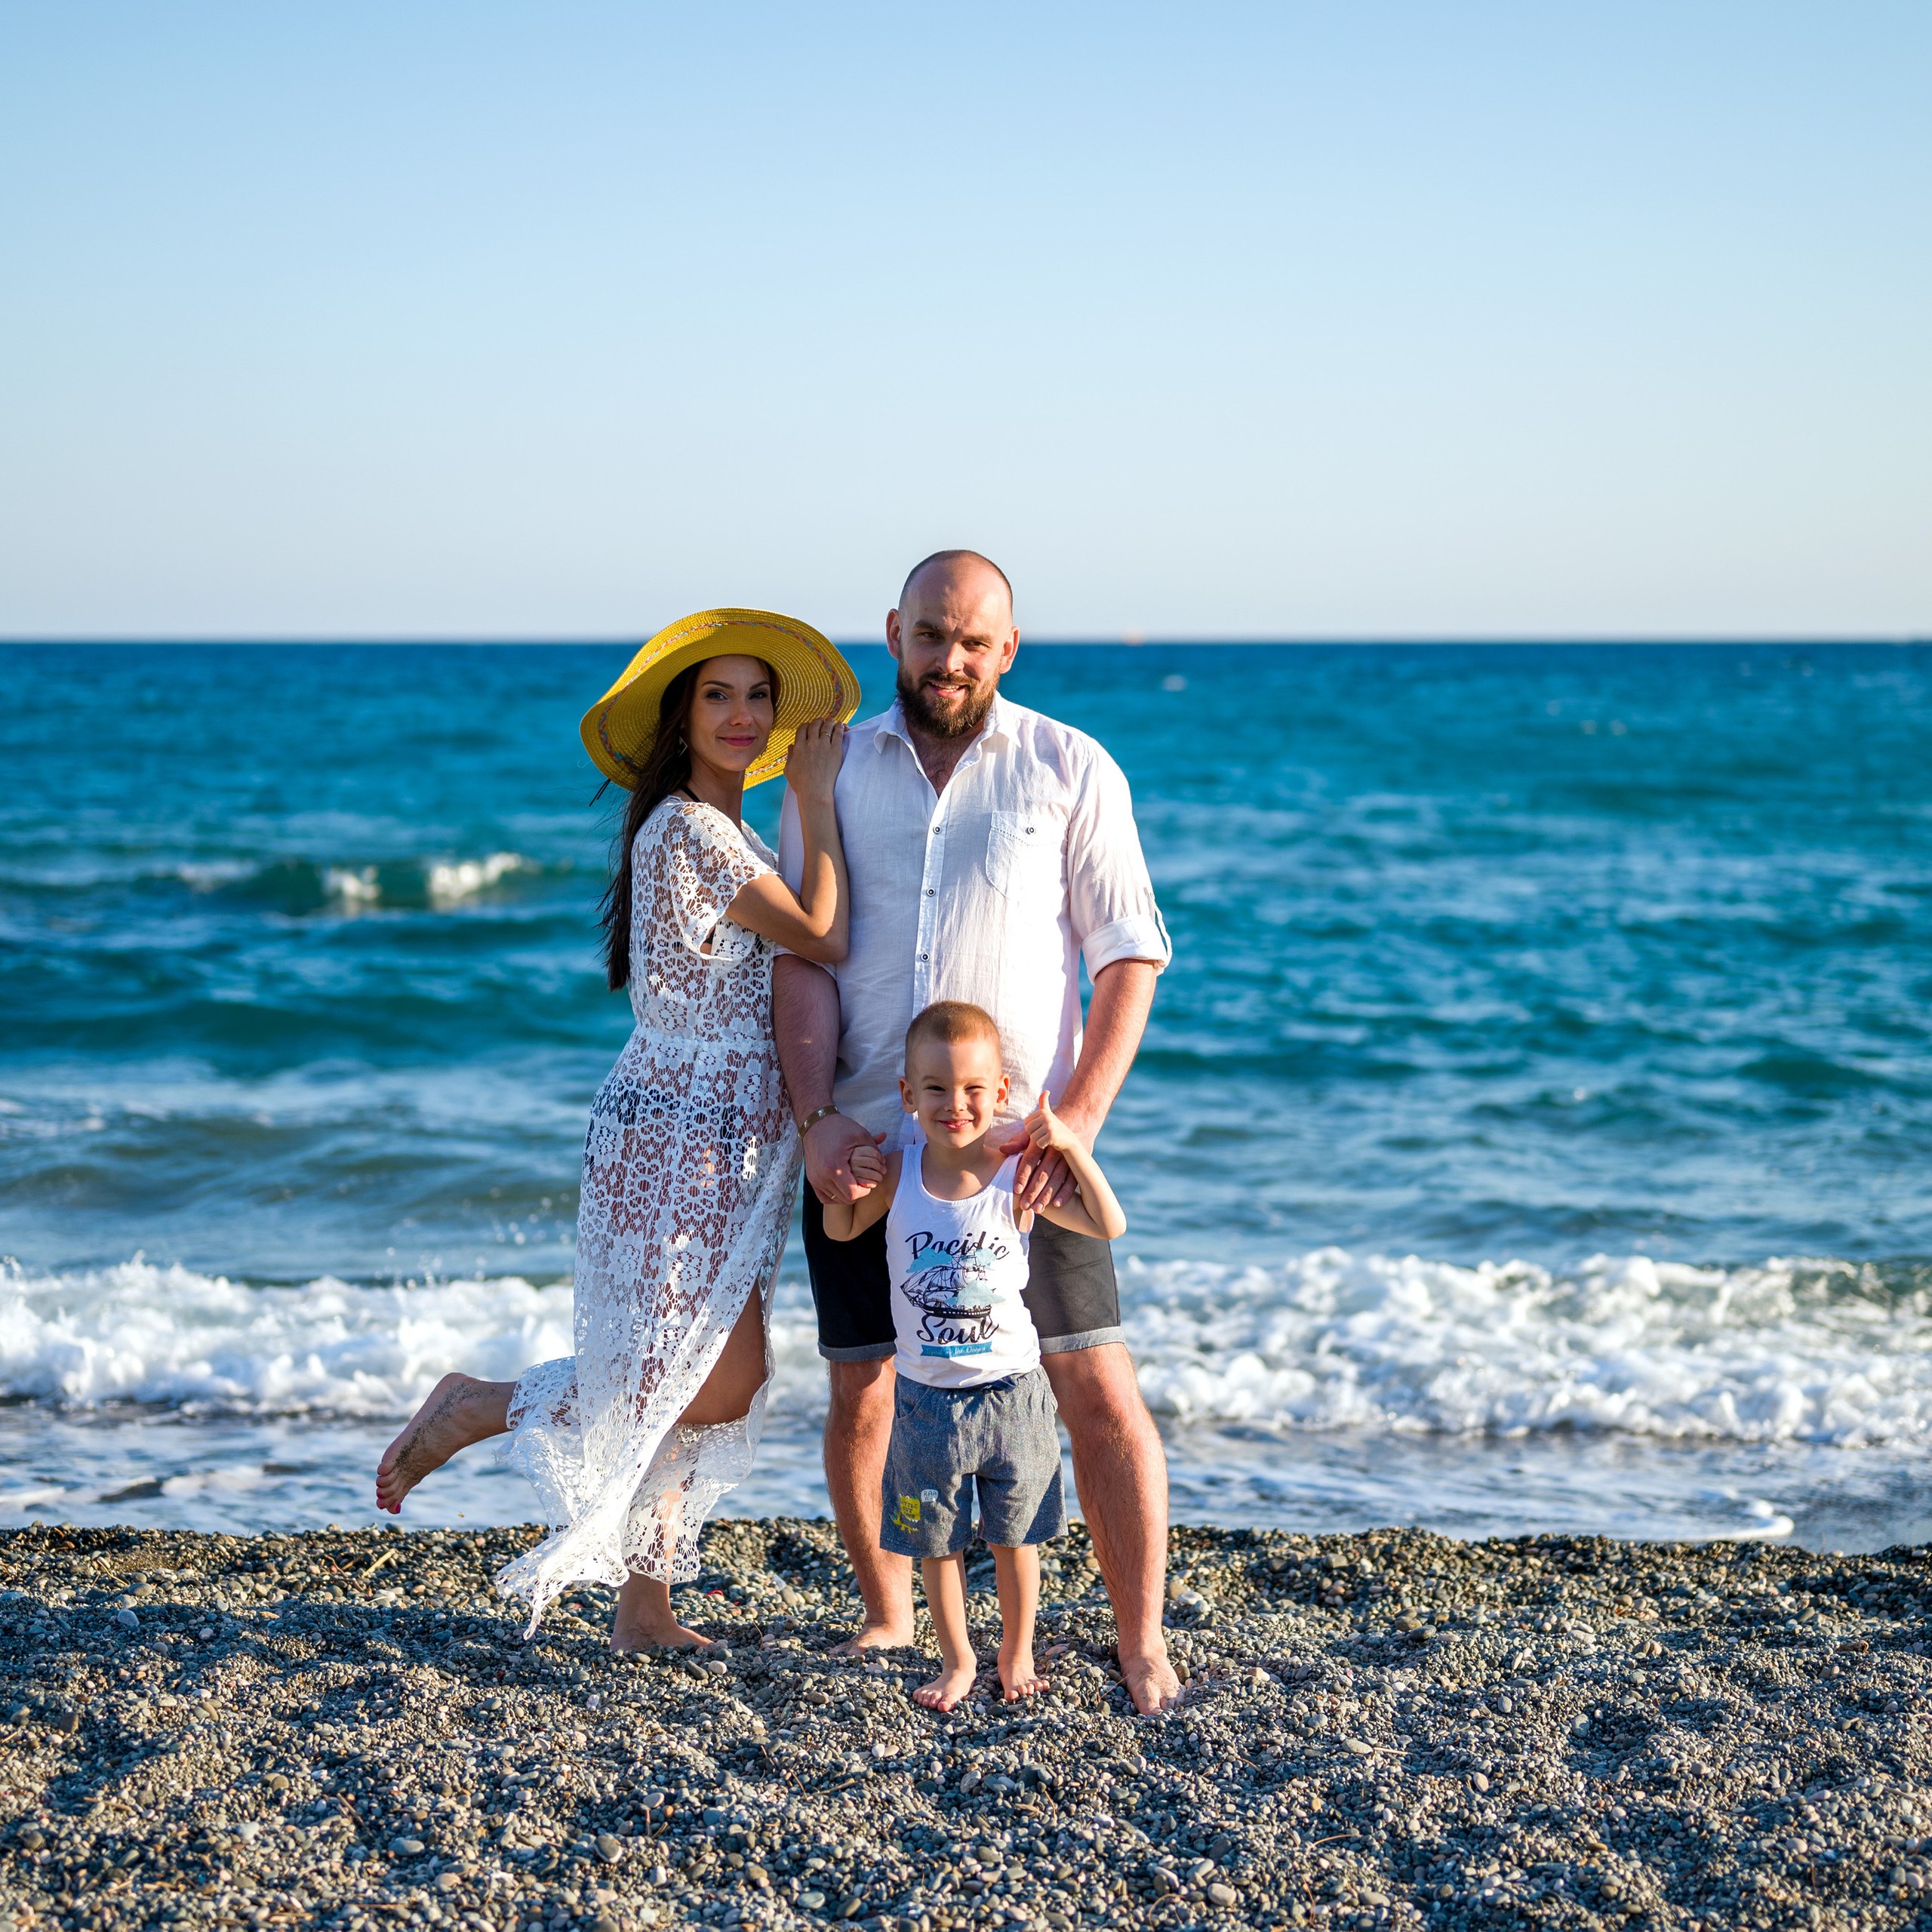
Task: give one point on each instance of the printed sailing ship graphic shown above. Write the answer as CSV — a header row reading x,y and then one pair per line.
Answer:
x,y
955,1299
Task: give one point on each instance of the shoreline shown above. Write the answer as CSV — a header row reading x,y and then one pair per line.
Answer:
x,y
1385,1729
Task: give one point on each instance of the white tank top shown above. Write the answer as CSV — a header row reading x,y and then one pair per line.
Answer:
x,y
958,1270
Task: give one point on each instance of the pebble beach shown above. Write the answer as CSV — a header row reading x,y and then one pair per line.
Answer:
x,y
345,1729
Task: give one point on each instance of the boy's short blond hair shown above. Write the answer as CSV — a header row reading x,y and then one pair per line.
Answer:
x,y
949,1021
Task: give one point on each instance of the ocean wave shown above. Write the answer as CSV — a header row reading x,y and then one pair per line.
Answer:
x,y
462,879
1817,1351
299,885
169,1336
1823,1352
439,884
211,875
413,885
141,1333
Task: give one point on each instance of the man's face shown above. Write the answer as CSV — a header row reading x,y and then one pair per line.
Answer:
x,y
954,638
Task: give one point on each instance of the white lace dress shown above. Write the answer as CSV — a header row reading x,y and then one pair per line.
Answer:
x,y
689,1171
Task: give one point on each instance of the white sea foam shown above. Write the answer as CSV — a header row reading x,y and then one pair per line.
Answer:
x,y
201,1482
1788,1352
355,885
207,875
445,882
460,878
144,1333
13,1500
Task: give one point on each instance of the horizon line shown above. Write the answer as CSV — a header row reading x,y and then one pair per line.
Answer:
x,y
1128,640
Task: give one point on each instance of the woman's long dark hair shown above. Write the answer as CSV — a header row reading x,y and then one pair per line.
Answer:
x,y
667,768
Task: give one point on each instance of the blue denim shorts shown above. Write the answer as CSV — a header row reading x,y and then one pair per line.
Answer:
x,y
1002,1440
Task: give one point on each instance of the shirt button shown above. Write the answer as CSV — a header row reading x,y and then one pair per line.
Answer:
x,y
929,892
923,957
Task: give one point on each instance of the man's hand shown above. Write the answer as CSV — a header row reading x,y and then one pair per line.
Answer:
x,y
830,1144
1043,1179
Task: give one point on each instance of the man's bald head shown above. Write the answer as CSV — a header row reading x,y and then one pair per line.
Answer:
x,y
955,563
953,636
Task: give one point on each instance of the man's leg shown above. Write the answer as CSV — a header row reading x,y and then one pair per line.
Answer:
x,y
1121,1475
1117,1465
852,1292
858,1429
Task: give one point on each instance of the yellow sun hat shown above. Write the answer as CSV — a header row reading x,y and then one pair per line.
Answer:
x,y
813,682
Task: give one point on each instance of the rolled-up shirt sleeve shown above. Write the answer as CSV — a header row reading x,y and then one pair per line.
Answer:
x,y
1109,895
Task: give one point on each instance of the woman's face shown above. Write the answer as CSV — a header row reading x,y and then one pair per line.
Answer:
x,y
732,702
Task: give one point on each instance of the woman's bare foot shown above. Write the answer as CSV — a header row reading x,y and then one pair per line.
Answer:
x,y
460,1410
948,1688
672,1636
1017,1677
645,1619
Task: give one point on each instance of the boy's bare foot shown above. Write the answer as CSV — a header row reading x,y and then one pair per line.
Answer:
x,y
1151,1683
1017,1677
460,1410
891,1634
947,1688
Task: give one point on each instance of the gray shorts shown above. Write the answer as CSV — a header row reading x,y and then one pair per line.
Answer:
x,y
1003,1440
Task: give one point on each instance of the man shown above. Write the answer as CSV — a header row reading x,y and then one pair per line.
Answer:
x,y
989,849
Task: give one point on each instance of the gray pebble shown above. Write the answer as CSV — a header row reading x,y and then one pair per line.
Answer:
x,y
1635,1731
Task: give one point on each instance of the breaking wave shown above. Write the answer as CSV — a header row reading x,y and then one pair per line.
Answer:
x,y
1820,1351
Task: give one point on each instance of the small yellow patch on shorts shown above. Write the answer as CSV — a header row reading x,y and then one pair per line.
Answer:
x,y
906,1516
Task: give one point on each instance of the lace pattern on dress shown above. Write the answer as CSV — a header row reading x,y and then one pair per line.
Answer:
x,y
689,1170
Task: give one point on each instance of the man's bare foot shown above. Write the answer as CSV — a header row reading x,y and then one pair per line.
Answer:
x,y
1151,1683
878,1636
458,1411
1017,1677
947,1688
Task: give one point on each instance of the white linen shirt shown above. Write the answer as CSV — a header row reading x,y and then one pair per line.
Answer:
x,y
992,891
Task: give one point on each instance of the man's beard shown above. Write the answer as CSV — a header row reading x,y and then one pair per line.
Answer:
x,y
923,716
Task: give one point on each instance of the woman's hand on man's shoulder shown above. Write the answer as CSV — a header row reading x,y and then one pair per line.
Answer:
x,y
811,765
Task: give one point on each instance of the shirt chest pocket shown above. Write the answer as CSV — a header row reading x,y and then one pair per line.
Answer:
x,y
1022,859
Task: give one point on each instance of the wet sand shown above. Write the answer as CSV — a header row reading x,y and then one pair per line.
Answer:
x,y
1392,1729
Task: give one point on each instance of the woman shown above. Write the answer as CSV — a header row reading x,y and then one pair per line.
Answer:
x,y
692,1159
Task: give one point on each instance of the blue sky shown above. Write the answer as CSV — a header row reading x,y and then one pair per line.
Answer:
x,y
1362,320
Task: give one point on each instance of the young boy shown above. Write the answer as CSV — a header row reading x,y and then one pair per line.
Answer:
x,y
974,1411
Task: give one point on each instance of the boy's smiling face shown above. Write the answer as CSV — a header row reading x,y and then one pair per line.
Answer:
x,y
956,1088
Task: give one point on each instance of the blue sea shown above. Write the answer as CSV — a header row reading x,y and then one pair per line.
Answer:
x,y
1534,1130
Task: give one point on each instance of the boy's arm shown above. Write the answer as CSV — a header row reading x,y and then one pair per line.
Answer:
x,y
846,1220
1072,1215
1095,1210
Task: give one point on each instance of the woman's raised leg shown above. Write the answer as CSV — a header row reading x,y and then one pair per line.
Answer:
x,y
735,1376
460,1410
644,1615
